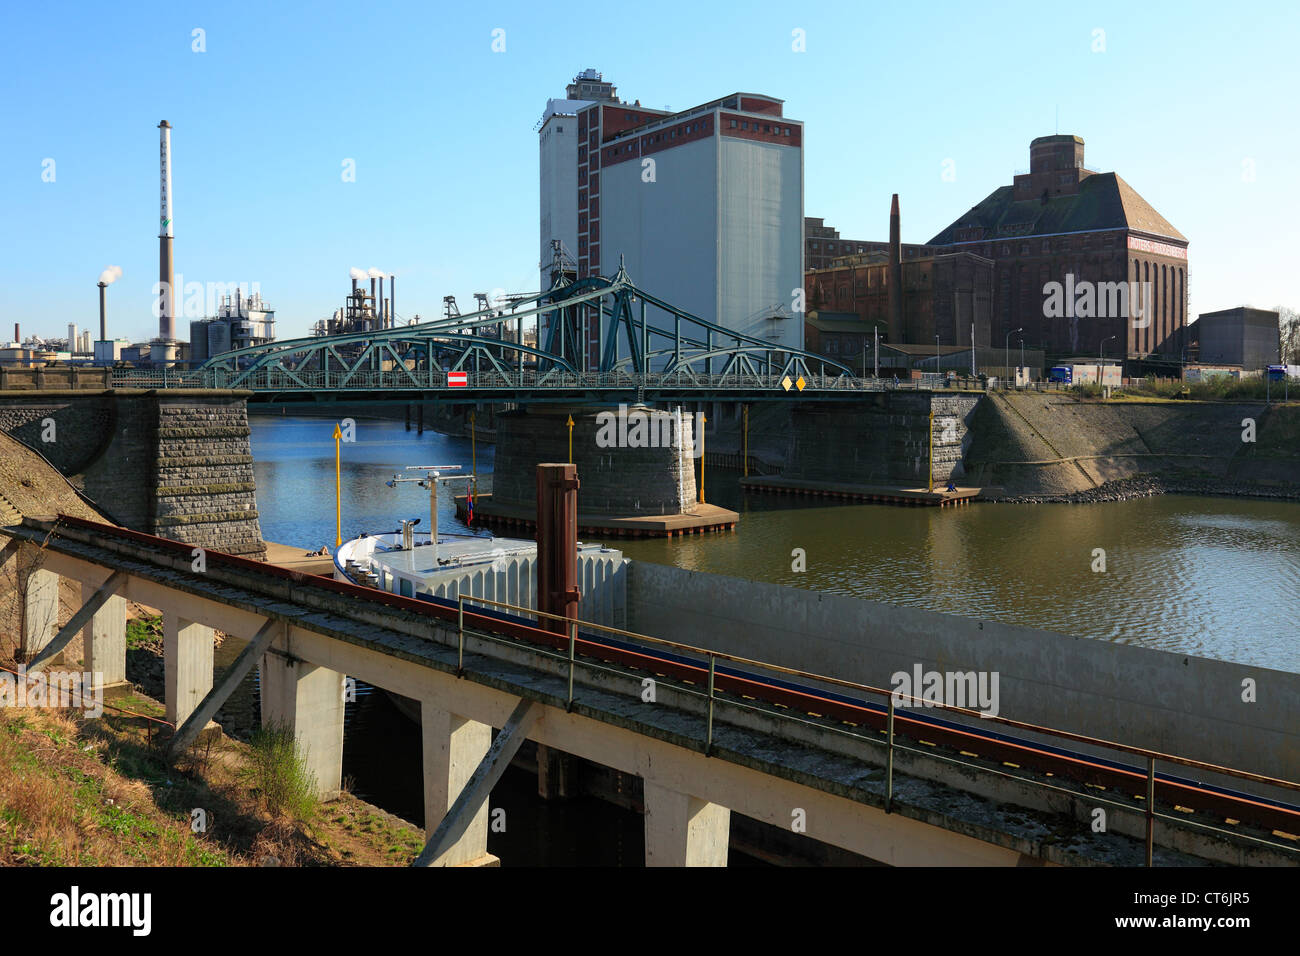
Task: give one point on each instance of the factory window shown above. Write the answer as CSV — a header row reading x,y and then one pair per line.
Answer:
x,y
744,125
815,246
559,129
733,124
787,131
1047,246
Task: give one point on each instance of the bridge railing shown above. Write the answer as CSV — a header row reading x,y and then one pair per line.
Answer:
x,y
705,690
421,380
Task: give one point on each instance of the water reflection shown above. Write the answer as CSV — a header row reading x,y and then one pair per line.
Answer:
x,y
1216,577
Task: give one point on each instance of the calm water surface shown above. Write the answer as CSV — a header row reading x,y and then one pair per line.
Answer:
x,y
1214,577
1209,576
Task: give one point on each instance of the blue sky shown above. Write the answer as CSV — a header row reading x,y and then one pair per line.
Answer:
x,y
1193,104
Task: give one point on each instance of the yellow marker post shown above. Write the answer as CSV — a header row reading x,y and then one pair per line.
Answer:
x,y
570,424
703,421
338,490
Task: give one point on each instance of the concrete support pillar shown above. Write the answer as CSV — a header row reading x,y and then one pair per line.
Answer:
x,y
40,591
308,700
681,830
187,665
104,641
453,749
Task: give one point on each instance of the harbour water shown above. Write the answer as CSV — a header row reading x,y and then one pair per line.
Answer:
x,y
1212,577
1215,577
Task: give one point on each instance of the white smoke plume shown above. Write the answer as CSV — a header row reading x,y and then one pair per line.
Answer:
x,y
376,273
110,275
357,273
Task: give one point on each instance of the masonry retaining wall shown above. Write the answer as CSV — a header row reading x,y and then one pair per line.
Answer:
x,y
173,462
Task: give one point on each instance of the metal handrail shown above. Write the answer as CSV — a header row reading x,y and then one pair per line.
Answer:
x,y
892,695
1148,810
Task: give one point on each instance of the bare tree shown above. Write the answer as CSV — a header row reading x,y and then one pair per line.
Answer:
x,y
1288,321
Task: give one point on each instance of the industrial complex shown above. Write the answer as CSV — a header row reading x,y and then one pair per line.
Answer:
x,y
731,540
708,203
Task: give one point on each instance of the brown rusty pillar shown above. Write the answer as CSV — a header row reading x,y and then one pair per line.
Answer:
x,y
557,543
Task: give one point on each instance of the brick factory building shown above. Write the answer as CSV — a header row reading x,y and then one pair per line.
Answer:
x,y
1096,237
942,292
822,245
702,207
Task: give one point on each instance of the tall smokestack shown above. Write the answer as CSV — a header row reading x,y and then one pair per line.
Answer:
x,y
374,302
392,300
895,274
17,335
167,313
103,319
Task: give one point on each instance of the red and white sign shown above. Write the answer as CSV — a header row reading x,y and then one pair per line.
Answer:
x,y
1157,248
457,379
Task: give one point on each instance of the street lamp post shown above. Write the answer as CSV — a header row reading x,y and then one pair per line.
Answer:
x,y
1101,367
1022,356
1006,347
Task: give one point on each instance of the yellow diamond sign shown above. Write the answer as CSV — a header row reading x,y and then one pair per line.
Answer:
x,y
800,383
785,383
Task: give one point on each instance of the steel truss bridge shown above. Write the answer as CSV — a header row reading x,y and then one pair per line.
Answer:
x,y
650,350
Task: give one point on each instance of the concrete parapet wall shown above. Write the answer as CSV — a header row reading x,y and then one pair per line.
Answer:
x,y
1172,703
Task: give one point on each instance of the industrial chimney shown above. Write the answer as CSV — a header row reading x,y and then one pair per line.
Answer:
x,y
895,297
392,300
167,313
103,319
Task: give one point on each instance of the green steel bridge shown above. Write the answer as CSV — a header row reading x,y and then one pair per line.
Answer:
x,y
651,351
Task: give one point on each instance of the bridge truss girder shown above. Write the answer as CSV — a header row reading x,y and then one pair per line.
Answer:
x,y
634,342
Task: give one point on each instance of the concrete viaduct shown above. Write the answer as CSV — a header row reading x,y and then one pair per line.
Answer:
x,y
701,755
